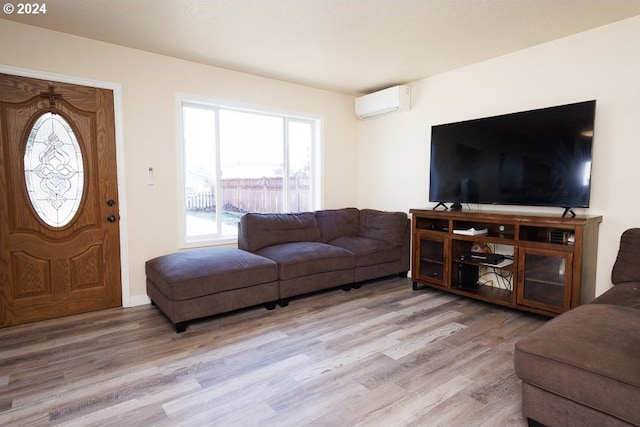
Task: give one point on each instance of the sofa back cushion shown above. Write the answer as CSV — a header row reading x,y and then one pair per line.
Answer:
x,y
334,223
627,267
257,230
388,227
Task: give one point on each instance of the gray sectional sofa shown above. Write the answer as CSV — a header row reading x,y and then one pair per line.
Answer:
x,y
280,256
328,248
582,368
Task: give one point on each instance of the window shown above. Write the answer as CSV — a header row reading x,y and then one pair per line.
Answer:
x,y
238,161
54,170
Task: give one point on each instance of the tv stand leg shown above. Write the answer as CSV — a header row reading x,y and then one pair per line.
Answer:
x,y
456,207
568,211
440,204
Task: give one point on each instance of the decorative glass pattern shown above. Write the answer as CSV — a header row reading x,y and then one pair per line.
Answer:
x,y
54,170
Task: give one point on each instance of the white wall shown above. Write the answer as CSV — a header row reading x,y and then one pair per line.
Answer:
x,y
601,64
149,85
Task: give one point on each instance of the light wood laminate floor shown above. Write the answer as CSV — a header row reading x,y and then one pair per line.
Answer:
x,y
382,355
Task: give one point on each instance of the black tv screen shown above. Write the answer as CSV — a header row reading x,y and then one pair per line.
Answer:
x,y
533,158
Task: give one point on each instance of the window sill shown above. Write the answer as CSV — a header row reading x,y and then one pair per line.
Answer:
x,y
221,241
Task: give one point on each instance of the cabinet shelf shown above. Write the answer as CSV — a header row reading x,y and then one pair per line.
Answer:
x,y
507,264
557,282
548,246
489,293
432,261
503,240
550,264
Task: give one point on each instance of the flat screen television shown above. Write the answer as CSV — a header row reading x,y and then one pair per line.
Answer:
x,y
532,158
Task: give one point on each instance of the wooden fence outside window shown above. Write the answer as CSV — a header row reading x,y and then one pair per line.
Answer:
x,y
254,195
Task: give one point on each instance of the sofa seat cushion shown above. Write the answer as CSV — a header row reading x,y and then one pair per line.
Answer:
x,y
369,251
571,356
624,294
298,259
198,272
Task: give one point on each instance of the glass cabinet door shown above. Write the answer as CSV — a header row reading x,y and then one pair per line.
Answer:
x,y
544,279
430,258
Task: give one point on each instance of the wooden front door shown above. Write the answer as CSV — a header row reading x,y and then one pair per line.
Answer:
x,y
59,232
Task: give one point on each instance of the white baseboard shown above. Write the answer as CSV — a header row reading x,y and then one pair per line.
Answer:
x,y
137,300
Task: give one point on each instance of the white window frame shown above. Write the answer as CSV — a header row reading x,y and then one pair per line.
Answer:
x,y
316,122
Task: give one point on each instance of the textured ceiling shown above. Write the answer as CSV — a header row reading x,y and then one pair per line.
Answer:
x,y
349,46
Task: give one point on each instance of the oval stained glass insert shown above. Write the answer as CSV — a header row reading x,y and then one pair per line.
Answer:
x,y
54,170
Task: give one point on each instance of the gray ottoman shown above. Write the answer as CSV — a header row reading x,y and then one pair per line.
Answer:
x,y
582,368
202,282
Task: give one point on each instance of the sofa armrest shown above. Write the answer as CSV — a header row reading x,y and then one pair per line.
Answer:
x,y
627,267
388,227
406,246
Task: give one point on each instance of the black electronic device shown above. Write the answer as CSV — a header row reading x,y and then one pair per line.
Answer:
x,y
534,158
467,276
482,257
560,236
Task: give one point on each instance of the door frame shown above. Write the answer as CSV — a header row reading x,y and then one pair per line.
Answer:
x,y
127,300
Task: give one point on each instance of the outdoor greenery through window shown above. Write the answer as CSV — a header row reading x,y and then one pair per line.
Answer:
x,y
239,161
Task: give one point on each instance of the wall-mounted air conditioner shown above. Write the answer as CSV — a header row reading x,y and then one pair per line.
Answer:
x,y
396,98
